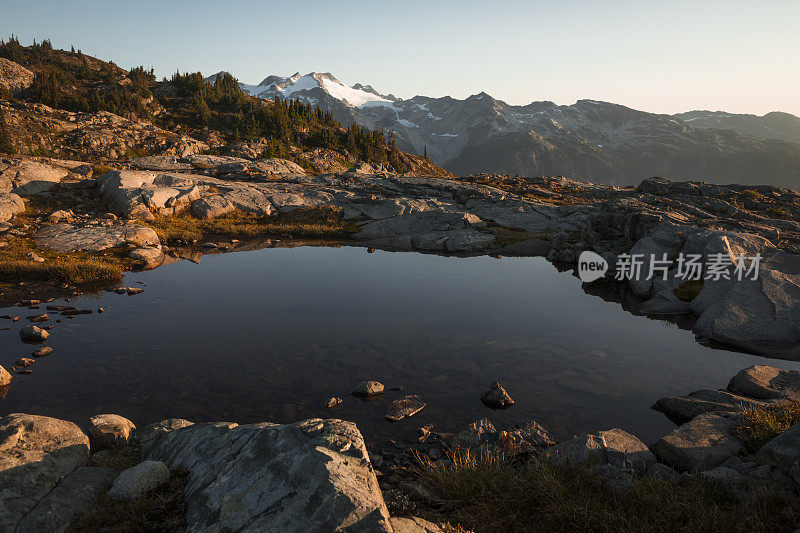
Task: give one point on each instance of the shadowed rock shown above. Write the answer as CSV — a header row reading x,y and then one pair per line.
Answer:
x,y
313,475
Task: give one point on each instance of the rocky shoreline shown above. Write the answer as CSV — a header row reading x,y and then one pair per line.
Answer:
x,y
319,474
553,217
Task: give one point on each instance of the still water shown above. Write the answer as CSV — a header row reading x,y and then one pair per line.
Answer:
x,y
270,335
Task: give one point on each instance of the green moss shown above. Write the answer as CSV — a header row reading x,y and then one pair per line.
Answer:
x,y
688,290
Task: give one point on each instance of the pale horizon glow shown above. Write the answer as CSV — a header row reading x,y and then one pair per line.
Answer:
x,y
662,57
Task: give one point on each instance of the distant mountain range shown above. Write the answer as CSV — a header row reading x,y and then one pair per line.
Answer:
x,y
592,140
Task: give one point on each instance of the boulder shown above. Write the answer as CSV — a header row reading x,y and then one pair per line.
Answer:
x,y
67,238
313,475
681,409
107,431
614,447
577,451
625,450
148,432
37,454
10,205
615,477
783,452
148,258
757,315
26,177
530,438
62,215
368,388
479,433
701,444
69,500
212,207
662,471
766,383
138,480
413,524
5,377
13,76
496,396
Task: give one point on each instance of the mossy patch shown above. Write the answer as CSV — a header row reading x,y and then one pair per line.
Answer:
x,y
507,236
688,290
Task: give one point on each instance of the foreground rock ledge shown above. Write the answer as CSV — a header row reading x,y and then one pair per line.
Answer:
x,y
313,475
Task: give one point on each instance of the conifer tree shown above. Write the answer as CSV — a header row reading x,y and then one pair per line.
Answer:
x,y
5,135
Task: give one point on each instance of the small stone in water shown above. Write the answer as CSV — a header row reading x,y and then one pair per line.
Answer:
x,y
33,333
39,318
43,351
333,402
23,362
404,408
134,290
496,396
368,388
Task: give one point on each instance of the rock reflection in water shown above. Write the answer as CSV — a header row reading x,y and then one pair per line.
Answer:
x,y
271,335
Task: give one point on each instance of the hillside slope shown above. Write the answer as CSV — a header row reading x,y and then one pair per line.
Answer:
x,y
49,113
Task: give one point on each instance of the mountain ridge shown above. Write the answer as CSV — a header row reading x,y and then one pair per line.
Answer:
x,y
590,139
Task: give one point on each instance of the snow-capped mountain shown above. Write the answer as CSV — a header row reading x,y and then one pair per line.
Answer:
x,y
592,140
312,86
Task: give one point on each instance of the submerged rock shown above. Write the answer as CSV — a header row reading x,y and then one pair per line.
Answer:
x,y
496,396
404,408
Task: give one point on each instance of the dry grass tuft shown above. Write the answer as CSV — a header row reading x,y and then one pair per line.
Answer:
x,y
759,425
488,492
76,268
162,509
319,222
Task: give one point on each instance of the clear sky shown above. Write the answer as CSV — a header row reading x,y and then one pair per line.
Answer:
x,y
659,56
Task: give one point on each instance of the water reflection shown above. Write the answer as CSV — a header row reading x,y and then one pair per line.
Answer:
x,y
273,334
